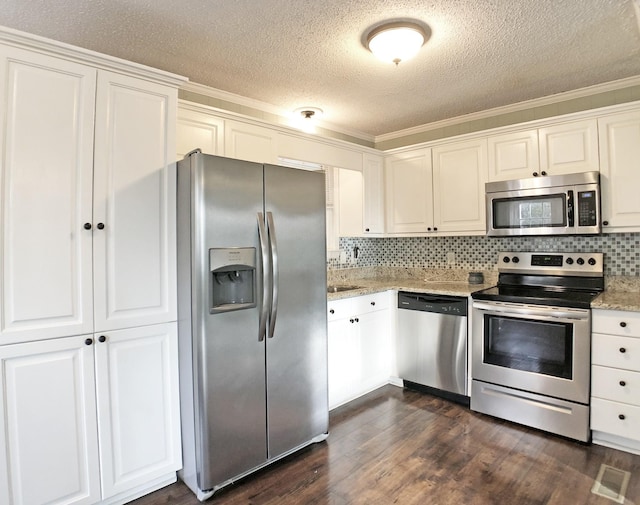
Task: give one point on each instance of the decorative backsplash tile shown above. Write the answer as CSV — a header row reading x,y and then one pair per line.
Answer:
x,y
621,251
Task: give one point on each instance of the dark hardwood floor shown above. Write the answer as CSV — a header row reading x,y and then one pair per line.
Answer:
x,y
403,447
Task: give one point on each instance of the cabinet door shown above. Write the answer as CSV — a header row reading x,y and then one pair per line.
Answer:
x,y
248,142
569,148
373,173
47,423
459,176
513,155
138,406
619,174
374,343
409,190
46,146
134,198
198,129
341,363
350,202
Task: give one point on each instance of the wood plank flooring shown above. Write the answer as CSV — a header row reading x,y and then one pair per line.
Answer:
x,y
397,446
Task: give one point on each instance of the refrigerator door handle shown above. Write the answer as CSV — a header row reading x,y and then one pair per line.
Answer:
x,y
266,271
271,229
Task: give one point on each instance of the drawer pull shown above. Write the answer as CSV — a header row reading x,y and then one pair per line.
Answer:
x,y
623,324
623,383
623,350
622,417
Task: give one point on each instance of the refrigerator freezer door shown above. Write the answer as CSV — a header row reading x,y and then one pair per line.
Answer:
x,y
227,196
297,403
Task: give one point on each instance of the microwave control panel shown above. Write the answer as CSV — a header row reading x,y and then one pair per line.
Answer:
x,y
587,205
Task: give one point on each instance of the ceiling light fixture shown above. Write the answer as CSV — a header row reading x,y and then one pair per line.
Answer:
x,y
396,41
305,118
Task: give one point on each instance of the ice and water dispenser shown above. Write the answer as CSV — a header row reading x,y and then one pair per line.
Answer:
x,y
232,278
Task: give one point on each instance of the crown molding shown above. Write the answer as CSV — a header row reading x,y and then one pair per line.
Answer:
x,y
516,107
286,115
24,40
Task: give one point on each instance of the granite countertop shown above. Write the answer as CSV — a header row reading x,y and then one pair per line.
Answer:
x,y
621,292
438,287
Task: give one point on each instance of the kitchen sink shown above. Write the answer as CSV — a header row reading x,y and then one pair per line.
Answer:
x,y
340,289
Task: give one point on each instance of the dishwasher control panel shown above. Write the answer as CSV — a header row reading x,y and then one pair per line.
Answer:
x,y
439,304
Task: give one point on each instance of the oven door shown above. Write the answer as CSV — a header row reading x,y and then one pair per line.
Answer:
x,y
540,349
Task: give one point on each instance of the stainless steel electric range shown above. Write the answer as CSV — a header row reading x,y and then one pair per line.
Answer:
x,y
531,341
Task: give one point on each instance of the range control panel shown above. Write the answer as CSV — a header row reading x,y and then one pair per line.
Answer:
x,y
579,264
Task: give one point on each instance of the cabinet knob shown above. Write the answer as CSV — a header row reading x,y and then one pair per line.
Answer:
x,y
543,173
373,303
87,226
535,174
622,417
623,324
102,339
331,311
366,229
623,383
435,228
351,321
100,226
623,350
88,341
429,228
605,223
357,320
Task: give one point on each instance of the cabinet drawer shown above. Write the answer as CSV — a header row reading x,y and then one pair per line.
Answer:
x,y
357,305
606,416
617,352
616,322
616,385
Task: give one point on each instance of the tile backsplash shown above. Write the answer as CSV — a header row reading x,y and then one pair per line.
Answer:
x,y
621,251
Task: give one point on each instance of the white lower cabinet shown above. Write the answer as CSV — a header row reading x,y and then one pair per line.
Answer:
x,y
615,379
360,341
89,419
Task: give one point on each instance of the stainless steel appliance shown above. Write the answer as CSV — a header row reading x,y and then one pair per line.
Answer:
x,y
252,316
551,205
432,344
531,341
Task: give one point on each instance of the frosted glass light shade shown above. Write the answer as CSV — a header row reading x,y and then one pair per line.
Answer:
x,y
396,42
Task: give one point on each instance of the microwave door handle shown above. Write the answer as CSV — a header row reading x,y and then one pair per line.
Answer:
x,y
570,208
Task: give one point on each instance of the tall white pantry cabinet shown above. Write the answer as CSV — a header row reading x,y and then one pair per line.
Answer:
x,y
89,409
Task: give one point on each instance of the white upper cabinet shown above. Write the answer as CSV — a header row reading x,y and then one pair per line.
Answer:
x,y
553,150
513,155
46,136
569,147
409,192
373,173
134,203
88,198
198,129
619,171
459,176
350,202
438,190
245,141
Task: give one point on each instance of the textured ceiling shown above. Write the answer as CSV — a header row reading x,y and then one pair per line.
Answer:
x,y
292,53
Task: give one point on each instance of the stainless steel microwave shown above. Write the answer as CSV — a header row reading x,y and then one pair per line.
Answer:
x,y
551,205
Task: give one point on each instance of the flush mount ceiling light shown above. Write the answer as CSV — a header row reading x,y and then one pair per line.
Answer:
x,y
309,112
396,41
305,118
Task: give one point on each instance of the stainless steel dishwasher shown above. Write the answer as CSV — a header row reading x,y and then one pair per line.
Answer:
x,y
432,344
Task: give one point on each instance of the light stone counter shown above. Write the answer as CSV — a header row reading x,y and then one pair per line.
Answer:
x,y
440,282
621,293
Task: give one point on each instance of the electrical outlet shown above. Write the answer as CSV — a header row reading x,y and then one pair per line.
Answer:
x,y
343,257
451,258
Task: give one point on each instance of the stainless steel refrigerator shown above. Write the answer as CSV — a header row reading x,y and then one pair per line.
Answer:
x,y
252,316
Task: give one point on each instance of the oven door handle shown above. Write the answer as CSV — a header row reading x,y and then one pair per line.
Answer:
x,y
576,314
